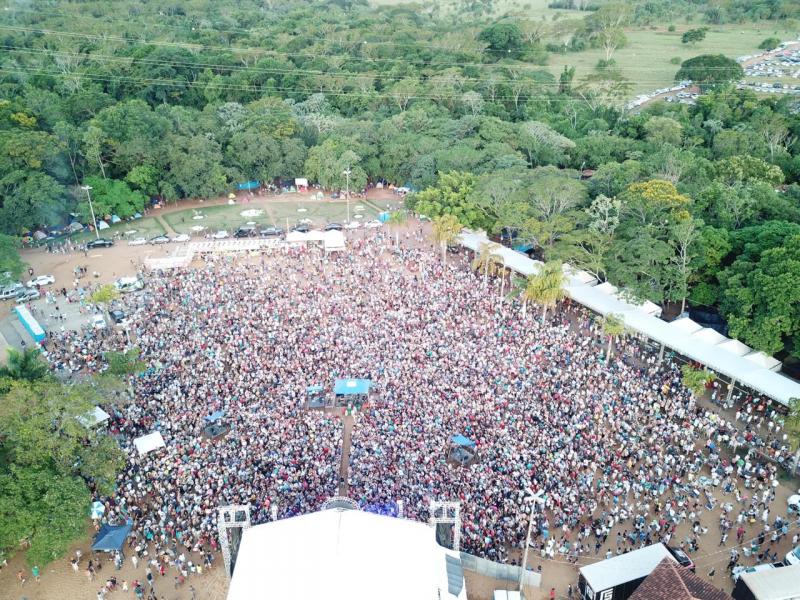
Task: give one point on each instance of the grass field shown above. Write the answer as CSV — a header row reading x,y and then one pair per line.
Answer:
x,y
230,217
645,59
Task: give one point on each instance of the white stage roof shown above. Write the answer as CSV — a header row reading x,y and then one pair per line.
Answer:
x,y
148,443
709,336
340,554
756,370
611,572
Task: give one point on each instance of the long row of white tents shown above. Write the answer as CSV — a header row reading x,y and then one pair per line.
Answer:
x,y
729,357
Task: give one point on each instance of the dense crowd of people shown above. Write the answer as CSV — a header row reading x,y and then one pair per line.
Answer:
x,y
612,441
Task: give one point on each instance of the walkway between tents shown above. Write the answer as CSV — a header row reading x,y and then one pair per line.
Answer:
x,y
347,421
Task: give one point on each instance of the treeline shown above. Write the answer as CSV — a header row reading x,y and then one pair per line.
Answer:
x,y
142,101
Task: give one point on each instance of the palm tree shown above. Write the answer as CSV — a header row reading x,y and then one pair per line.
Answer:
x,y
613,326
445,230
791,425
26,364
545,288
396,221
487,261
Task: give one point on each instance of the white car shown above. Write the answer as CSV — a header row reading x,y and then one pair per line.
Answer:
x,y
352,225
41,280
97,322
220,235
140,241
373,224
793,504
183,237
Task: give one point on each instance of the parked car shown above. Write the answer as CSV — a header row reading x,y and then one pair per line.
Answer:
x,y
301,228
352,225
373,224
11,291
117,316
41,280
28,295
220,235
100,243
139,241
271,232
129,284
792,557
683,559
182,237
97,321
246,231
159,239
793,504
333,227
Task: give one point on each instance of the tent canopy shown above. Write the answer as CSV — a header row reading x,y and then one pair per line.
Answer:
x,y
351,387
111,537
314,389
148,443
756,370
215,416
460,440
96,416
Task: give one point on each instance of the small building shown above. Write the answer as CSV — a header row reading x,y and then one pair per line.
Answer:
x,y
618,578
772,584
669,580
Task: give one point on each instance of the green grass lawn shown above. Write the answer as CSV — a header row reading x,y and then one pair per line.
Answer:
x,y
147,227
645,59
230,218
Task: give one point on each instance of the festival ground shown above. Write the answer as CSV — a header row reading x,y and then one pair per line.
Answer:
x,y
59,581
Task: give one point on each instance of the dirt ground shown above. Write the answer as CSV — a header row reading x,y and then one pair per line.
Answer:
x,y
59,582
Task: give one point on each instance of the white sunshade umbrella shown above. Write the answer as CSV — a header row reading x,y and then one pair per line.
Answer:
x,y
98,510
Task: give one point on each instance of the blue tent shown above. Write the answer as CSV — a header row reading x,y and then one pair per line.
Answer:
x,y
351,387
215,416
460,440
111,537
115,219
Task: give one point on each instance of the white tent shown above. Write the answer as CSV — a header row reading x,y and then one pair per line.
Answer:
x,y
736,347
97,416
296,236
148,443
334,241
709,336
764,361
686,325
756,370
607,288
340,554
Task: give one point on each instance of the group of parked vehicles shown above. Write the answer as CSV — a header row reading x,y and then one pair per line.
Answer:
x,y
25,293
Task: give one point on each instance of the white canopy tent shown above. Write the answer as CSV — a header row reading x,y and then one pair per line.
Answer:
x,y
334,241
148,443
754,370
341,554
709,336
96,416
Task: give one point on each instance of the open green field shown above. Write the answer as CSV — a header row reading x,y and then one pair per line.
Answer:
x,y
229,217
645,59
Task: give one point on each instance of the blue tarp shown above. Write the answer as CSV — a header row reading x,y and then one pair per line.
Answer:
x,y
248,185
111,537
351,387
314,389
460,440
215,416
383,217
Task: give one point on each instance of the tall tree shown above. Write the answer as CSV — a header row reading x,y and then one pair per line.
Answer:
x,y
546,287
445,229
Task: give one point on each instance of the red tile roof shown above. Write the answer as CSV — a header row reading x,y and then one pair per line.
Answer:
x,y
670,581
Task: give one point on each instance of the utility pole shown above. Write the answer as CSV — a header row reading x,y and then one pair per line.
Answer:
x,y
346,173
537,499
86,188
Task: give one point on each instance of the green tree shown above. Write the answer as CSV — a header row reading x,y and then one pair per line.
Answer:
x,y
791,425
710,70
504,39
397,220
769,43
445,229
104,295
124,363
663,130
693,36
11,265
546,287
695,379
487,261
24,364
111,197
613,326
452,196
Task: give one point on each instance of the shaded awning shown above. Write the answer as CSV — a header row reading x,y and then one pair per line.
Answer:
x,y
460,440
215,416
111,537
351,387
148,443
